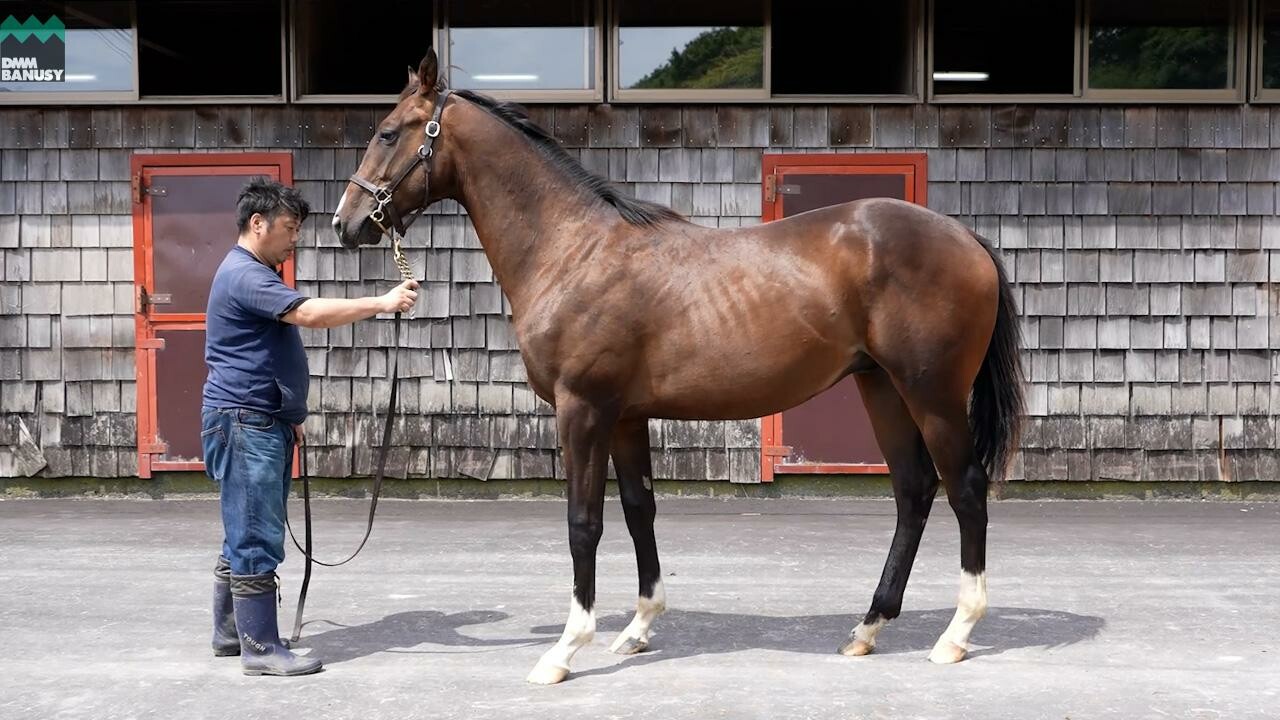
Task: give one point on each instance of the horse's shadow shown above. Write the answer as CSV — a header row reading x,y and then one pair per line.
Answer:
x,y
687,633
680,633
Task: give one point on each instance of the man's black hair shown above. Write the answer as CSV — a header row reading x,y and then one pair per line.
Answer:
x,y
271,199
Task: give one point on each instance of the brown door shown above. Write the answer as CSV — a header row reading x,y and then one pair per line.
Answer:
x,y
830,433
184,223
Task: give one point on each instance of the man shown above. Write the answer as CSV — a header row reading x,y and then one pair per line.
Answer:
x,y
254,404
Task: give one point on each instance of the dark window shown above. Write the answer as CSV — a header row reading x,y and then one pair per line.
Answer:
x,y
360,47
670,44
209,47
1004,47
91,42
500,44
1271,44
819,48
1172,44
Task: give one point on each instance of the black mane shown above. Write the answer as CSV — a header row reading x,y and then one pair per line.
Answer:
x,y
636,212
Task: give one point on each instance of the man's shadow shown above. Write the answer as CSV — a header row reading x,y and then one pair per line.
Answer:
x,y
395,633
680,633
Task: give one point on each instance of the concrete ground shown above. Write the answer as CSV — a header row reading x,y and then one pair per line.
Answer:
x,y
1098,610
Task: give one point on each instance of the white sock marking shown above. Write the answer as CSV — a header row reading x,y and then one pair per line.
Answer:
x,y
867,633
579,630
970,607
647,610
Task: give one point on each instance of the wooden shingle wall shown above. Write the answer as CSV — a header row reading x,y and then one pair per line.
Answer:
x,y
1142,241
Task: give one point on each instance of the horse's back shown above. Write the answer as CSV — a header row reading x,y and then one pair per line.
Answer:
x,y
876,239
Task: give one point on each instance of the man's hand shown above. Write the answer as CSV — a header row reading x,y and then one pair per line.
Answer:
x,y
401,298
299,435
327,313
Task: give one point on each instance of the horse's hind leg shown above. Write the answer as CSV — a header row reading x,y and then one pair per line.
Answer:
x,y
945,425
584,436
632,461
915,482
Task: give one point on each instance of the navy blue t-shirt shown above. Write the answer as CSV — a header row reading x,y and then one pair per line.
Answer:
x,y
255,359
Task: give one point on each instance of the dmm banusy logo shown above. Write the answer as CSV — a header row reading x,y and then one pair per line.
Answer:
x,y
33,51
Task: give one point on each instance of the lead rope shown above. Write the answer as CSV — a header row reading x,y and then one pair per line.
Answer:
x,y
402,263
406,274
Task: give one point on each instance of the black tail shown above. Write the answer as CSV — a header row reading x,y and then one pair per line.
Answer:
x,y
996,405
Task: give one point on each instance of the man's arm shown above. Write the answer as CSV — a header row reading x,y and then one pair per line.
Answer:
x,y
332,312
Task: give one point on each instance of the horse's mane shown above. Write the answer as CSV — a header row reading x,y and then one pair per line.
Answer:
x,y
634,211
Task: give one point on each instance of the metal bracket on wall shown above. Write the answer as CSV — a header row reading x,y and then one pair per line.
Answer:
x,y
772,189
145,298
140,188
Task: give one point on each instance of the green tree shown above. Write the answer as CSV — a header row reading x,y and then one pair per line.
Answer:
x,y
718,58
1158,57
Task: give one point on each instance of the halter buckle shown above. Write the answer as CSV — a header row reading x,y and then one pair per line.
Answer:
x,y
383,196
433,128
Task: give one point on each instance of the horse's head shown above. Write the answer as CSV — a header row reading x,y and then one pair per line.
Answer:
x,y
391,182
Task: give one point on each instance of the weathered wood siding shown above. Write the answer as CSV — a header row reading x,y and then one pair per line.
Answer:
x,y
1143,241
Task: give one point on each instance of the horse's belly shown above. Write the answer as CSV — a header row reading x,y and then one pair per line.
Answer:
x,y
733,380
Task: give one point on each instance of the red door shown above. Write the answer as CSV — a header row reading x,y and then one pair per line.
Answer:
x,y
830,433
184,223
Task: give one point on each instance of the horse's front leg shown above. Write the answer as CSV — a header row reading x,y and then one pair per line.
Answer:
x,y
631,459
585,430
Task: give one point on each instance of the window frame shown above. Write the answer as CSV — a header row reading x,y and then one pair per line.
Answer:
x,y
1246,26
734,95
765,96
1235,93
1076,94
533,96
1258,93
201,99
1242,47
135,96
916,56
85,97
295,74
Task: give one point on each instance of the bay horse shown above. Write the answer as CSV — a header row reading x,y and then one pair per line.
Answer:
x,y
624,310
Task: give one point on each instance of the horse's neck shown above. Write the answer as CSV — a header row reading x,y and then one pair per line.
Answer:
x,y
523,209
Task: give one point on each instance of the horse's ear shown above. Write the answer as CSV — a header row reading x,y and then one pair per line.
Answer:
x,y
427,72
413,76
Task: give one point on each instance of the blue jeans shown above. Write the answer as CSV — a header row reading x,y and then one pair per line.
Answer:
x,y
250,455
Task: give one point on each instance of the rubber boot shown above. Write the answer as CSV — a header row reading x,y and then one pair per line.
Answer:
x,y
261,652
225,640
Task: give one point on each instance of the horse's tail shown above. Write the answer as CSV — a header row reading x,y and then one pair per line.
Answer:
x,y
996,404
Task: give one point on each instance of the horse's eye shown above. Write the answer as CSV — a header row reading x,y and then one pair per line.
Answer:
x,y
388,136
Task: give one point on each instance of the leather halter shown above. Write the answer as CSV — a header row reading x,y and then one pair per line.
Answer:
x,y
383,194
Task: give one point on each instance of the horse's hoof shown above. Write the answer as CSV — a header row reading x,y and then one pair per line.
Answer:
x,y
853,647
946,652
626,645
547,674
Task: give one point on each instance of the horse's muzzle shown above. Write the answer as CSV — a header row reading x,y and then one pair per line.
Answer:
x,y
354,233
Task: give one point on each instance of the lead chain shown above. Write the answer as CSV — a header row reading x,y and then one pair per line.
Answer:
x,y
402,263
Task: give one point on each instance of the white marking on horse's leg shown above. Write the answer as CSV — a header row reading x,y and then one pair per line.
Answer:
x,y
863,639
579,630
971,606
635,638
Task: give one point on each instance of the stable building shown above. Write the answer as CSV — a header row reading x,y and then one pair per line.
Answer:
x,y
1123,156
